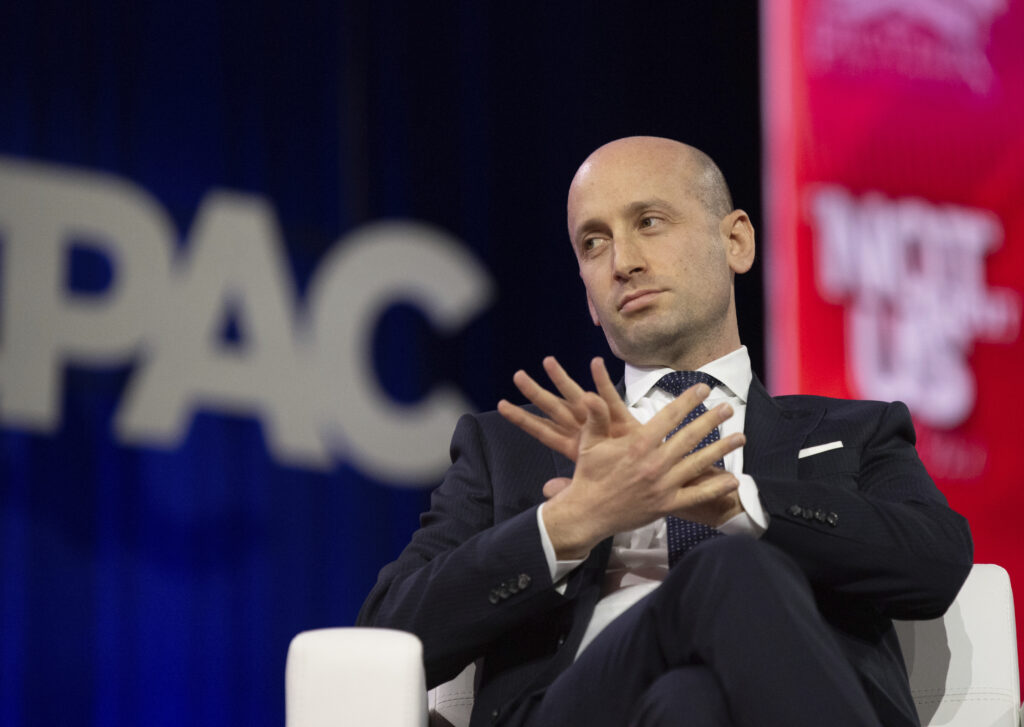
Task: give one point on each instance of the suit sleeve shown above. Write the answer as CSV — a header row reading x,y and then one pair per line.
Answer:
x,y
475,570
870,526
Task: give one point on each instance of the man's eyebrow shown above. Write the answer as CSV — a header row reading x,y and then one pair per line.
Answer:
x,y
586,226
640,205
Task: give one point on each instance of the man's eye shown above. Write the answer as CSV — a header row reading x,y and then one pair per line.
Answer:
x,y
590,243
648,221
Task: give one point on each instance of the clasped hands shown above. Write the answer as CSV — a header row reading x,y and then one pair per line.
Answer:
x,y
627,473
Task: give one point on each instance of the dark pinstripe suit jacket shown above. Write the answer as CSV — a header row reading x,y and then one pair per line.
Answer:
x,y
874,536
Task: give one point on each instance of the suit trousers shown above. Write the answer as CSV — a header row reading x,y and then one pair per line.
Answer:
x,y
732,637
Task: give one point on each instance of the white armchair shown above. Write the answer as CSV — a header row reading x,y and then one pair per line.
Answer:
x,y
355,676
962,667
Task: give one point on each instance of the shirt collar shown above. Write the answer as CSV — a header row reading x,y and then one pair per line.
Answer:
x,y
732,369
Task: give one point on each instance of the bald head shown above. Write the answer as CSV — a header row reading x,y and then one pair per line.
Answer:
x,y
697,173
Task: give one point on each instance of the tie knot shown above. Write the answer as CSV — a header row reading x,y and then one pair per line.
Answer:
x,y
677,382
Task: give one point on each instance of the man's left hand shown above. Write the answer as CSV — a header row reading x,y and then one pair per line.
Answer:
x,y
560,429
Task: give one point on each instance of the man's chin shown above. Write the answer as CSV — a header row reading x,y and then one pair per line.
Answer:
x,y
652,349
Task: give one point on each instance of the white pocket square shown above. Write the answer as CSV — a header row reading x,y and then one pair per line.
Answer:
x,y
818,449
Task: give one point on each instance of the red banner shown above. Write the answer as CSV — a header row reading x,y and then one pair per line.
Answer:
x,y
895,230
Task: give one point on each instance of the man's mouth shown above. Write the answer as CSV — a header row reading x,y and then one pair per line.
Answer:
x,y
637,300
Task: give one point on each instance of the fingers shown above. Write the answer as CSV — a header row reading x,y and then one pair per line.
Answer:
x,y
709,488
567,410
597,426
606,389
515,414
562,381
693,433
565,415
555,407
553,486
665,421
679,450
703,460
543,430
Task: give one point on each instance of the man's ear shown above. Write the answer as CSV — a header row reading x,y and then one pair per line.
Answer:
x,y
593,312
738,233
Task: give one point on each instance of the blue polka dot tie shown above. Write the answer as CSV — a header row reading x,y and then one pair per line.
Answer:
x,y
684,534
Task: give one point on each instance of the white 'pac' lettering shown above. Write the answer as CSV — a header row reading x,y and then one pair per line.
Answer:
x,y
44,210
233,263
306,375
378,265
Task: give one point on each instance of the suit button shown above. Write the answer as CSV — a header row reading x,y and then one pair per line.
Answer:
x,y
819,515
807,513
832,519
795,510
524,581
503,592
494,715
494,597
561,639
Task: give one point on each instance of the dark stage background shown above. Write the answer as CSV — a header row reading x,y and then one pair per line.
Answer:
x,y
153,575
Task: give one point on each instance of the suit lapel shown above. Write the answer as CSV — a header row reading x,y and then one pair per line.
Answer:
x,y
774,434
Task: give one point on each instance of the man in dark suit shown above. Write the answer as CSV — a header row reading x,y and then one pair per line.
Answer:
x,y
559,552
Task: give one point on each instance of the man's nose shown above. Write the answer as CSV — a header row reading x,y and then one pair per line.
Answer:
x,y
628,258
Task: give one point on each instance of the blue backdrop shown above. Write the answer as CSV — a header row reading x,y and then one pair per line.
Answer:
x,y
206,177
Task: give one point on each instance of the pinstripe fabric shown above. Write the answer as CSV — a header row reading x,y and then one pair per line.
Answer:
x,y
895,550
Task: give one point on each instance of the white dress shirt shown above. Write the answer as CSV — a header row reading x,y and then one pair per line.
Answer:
x,y
639,558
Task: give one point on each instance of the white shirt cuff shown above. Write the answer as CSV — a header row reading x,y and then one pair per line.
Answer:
x,y
559,569
753,521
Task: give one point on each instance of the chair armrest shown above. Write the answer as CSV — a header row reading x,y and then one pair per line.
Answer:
x,y
963,666
357,676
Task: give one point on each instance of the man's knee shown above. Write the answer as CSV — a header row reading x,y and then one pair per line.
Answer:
x,y
739,556
688,695
738,570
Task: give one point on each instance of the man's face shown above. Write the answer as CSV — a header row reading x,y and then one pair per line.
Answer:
x,y
654,261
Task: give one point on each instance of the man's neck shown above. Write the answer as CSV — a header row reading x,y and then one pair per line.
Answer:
x,y
692,359
733,369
